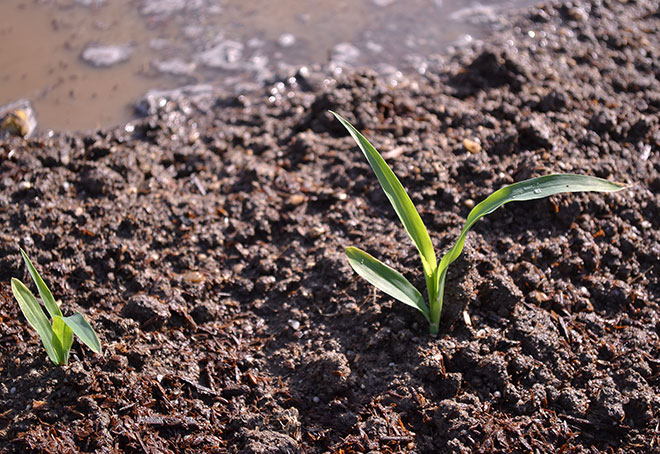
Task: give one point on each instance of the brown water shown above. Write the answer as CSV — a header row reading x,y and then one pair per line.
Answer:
x,y
40,46
234,44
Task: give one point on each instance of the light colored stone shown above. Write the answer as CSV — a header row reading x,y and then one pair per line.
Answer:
x,y
472,145
104,56
17,119
286,40
176,67
226,54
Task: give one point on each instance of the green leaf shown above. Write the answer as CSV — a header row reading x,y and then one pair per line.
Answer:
x,y
399,199
386,279
62,339
84,331
35,316
44,292
535,188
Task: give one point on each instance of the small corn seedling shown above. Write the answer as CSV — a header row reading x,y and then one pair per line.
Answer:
x,y
58,337
394,283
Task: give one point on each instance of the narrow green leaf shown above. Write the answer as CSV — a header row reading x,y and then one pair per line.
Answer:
x,y
44,292
398,197
535,188
35,317
541,187
62,339
386,279
84,331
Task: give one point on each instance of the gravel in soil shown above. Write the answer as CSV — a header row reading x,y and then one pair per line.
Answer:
x,y
205,243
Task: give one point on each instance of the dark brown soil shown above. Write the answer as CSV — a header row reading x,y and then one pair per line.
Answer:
x,y
206,247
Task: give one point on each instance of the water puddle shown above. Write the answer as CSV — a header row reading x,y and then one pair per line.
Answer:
x,y
83,63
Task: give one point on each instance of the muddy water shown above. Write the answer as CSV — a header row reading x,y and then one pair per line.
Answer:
x,y
234,44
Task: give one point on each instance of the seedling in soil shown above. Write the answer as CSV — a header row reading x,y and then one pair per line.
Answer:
x,y
394,283
58,336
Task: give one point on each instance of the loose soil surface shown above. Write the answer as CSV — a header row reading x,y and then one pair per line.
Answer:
x,y
205,244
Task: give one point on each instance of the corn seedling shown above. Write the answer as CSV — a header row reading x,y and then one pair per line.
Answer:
x,y
394,283
58,336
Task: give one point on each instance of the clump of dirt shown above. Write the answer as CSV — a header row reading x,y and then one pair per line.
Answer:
x,y
206,242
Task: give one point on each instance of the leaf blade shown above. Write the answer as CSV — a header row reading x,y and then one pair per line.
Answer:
x,y
542,187
84,331
62,339
534,188
35,316
386,279
44,291
398,197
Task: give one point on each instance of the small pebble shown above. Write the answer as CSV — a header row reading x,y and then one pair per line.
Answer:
x,y
344,54
103,56
296,199
469,203
286,40
316,399
578,14
294,324
466,319
175,67
539,297
193,136
193,277
472,145
316,232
